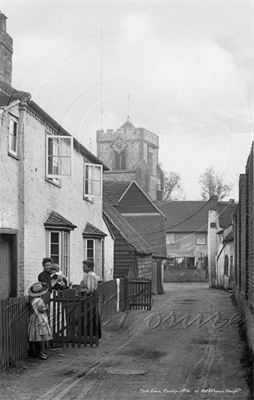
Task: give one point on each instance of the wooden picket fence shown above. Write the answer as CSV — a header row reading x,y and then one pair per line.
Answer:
x,y
139,294
107,299
75,319
14,318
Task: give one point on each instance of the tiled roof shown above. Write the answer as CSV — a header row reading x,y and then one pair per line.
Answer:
x,y
126,229
61,131
91,231
56,220
113,190
226,210
9,94
152,229
192,216
185,216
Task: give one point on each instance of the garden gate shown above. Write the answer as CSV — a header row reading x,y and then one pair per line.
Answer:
x,y
74,318
139,294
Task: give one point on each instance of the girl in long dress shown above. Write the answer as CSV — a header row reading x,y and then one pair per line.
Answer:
x,y
39,331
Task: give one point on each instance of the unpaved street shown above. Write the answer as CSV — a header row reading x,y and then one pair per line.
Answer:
x,y
150,357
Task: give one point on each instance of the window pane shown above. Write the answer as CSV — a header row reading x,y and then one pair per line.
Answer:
x,y
59,156
90,244
13,130
89,252
54,237
54,248
92,180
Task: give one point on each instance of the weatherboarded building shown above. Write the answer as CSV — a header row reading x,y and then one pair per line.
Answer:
x,y
134,205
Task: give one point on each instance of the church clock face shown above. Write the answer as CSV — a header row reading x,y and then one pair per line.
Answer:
x,y
119,145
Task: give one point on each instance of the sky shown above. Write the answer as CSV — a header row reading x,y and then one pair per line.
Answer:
x,y
181,69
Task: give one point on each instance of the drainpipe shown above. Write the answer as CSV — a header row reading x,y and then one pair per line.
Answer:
x,y
21,198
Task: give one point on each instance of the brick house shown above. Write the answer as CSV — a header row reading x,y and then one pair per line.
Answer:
x,y
51,192
129,199
131,154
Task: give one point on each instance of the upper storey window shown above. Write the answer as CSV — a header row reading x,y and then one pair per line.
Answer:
x,y
59,153
92,180
13,135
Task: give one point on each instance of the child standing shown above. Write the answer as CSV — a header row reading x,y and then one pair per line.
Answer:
x,y
39,330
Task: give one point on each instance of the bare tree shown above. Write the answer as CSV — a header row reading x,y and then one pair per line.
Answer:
x,y
173,186
212,184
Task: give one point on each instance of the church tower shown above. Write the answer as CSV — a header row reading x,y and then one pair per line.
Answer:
x,y
131,153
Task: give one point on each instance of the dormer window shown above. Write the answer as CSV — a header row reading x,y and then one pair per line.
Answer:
x,y
13,136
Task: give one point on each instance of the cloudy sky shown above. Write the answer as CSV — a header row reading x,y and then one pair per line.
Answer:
x,y
187,66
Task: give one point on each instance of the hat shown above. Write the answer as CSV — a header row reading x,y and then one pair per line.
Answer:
x,y
38,289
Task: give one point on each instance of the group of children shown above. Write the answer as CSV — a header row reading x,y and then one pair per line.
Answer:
x,y
39,330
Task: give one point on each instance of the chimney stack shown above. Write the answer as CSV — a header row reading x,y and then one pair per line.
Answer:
x,y
6,51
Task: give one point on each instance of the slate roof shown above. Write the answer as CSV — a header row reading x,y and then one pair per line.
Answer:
x,y
57,220
192,216
8,94
91,231
126,229
113,190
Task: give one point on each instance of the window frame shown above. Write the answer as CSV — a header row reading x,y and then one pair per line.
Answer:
x,y
63,244
87,180
198,239
93,248
57,139
173,239
11,151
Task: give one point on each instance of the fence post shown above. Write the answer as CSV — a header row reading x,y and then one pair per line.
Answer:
x,y
117,294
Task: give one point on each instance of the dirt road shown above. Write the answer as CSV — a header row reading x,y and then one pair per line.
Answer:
x,y
181,349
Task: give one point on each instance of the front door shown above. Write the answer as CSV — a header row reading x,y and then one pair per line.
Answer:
x,y
8,270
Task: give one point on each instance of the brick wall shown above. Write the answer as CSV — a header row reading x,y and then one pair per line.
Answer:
x,y
244,248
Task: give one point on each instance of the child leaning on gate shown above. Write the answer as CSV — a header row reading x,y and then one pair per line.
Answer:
x,y
39,330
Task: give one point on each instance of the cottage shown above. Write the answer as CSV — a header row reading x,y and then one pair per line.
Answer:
x,y
145,217
51,192
190,247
